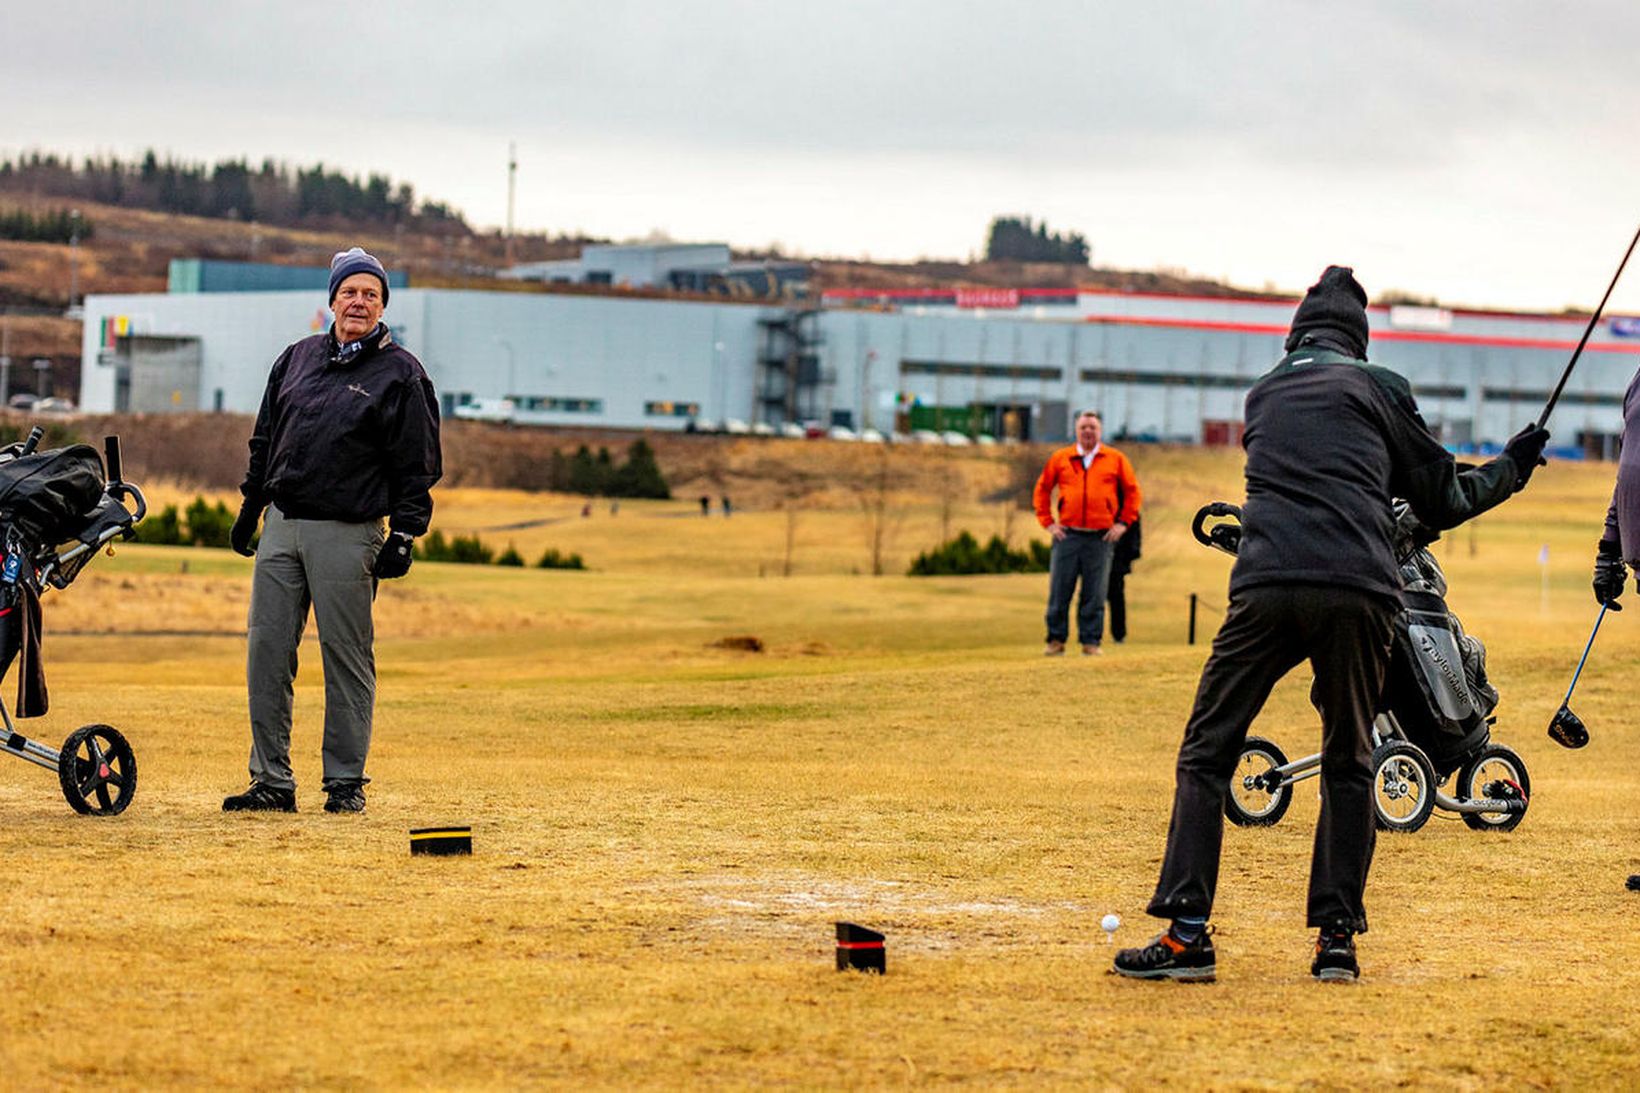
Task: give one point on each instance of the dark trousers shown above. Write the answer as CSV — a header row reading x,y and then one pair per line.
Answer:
x,y
1116,597
1345,635
1080,556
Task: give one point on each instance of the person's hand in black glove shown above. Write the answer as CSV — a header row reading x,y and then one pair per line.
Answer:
x,y
1526,449
394,558
244,527
1609,572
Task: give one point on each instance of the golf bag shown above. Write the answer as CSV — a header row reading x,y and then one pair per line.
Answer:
x,y
56,513
1436,685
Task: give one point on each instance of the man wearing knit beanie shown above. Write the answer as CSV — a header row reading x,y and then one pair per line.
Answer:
x,y
347,437
1330,439
355,260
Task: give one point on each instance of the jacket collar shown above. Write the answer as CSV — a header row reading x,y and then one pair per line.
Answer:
x,y
350,352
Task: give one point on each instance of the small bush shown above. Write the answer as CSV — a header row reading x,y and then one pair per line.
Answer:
x,y
163,528
554,560
434,548
963,556
510,556
208,525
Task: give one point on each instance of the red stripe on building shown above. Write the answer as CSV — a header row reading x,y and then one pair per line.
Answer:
x,y
1280,330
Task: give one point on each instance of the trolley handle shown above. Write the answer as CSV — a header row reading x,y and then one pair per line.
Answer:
x,y
1224,536
111,452
34,436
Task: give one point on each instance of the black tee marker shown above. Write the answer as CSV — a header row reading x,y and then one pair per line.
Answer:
x,y
441,840
860,949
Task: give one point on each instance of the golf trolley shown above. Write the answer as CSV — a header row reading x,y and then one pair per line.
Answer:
x,y
1436,717
56,513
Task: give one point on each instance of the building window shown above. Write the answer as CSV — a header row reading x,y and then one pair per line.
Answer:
x,y
559,405
671,409
978,371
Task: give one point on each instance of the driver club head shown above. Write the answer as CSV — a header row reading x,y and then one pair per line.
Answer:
x,y
1567,729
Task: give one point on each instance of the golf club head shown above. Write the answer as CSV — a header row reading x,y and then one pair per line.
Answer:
x,y
1567,729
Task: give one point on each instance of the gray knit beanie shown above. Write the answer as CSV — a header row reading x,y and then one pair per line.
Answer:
x,y
348,262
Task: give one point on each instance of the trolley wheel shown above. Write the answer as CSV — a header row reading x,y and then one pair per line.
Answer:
x,y
1250,804
1496,772
1403,786
97,770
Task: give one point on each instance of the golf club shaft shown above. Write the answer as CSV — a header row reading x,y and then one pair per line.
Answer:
x,y
1586,648
1554,397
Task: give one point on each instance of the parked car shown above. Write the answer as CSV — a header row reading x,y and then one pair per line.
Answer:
x,y
871,436
925,436
792,430
762,428
735,427
486,409
54,406
842,432
22,400
955,439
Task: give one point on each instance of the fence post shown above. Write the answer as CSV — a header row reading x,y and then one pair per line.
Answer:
x,y
1192,640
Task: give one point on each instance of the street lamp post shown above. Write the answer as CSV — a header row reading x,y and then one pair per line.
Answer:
x,y
73,258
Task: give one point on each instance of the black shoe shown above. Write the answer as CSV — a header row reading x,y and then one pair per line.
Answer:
x,y
345,798
1166,957
1335,957
261,797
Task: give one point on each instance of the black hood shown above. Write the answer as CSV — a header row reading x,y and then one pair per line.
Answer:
x,y
1333,313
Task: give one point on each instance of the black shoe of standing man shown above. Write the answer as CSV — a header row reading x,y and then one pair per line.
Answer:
x,y
345,797
261,797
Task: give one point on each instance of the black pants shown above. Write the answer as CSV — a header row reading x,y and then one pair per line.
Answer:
x,y
1269,630
1116,599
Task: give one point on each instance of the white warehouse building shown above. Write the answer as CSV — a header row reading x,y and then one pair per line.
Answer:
x,y
997,362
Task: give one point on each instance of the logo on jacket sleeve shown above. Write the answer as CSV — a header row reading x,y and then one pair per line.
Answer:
x,y
357,390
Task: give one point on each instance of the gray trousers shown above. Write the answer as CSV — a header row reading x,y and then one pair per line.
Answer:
x,y
1080,555
325,565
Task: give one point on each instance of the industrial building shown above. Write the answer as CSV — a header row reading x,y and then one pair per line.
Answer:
x,y
1003,363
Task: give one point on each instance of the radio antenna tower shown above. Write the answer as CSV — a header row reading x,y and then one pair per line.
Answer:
x,y
512,186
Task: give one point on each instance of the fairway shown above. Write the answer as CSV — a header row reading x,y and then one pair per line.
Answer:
x,y
666,827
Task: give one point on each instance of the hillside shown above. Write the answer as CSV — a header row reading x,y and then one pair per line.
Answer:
x,y
129,250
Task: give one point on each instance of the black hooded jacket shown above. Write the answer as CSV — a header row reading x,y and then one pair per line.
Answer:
x,y
347,434
1330,440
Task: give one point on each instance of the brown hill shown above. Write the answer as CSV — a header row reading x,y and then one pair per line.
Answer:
x,y
129,250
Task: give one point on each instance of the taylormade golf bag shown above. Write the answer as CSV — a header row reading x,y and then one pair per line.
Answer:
x,y
1436,685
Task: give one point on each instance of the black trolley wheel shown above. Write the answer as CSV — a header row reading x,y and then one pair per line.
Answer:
x,y
97,770
1250,803
1499,773
1403,786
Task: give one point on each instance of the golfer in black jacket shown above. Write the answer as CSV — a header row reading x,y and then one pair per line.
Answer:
x,y
347,436
1330,439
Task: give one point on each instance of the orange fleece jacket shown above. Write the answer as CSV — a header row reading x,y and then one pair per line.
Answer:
x,y
1091,499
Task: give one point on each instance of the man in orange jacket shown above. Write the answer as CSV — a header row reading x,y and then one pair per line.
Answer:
x,y
1098,501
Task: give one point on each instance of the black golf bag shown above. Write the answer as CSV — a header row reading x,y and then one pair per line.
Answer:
x,y
1436,685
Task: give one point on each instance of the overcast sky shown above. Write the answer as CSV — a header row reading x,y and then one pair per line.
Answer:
x,y
1482,153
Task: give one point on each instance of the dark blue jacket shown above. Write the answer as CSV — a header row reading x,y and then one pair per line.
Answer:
x,y
347,435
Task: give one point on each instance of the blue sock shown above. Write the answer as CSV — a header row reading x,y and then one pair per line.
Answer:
x,y
1189,929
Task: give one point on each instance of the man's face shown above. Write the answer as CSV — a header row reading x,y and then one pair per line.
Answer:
x,y
1087,432
358,306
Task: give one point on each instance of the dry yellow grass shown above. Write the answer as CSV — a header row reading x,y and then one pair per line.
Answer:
x,y
665,831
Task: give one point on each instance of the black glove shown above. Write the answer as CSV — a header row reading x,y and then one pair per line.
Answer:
x,y
1609,572
394,559
244,527
1526,449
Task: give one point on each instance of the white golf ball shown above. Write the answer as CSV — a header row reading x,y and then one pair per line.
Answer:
x,y
1109,923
